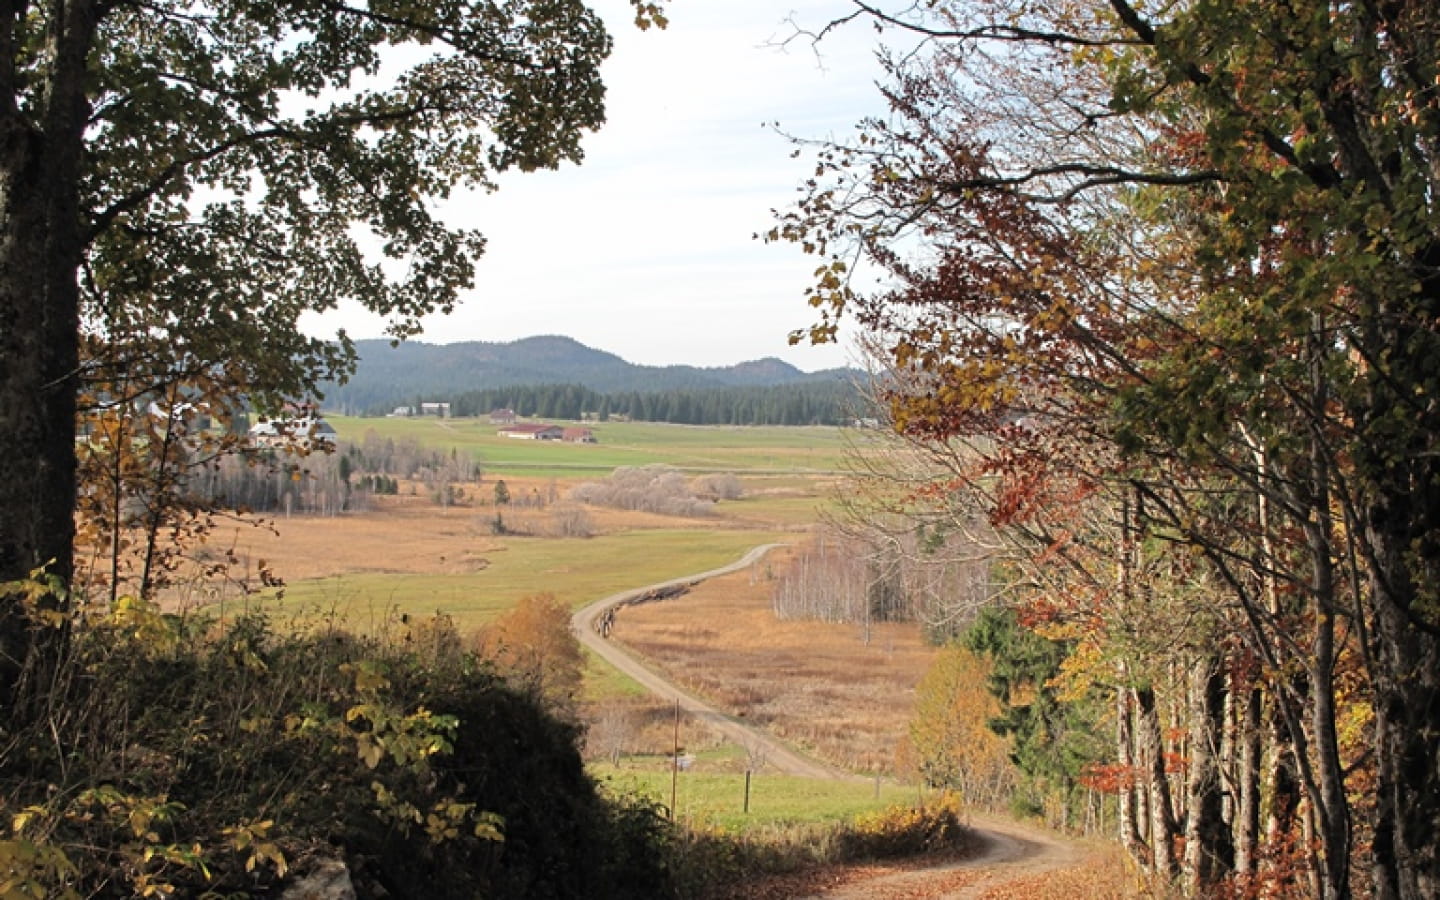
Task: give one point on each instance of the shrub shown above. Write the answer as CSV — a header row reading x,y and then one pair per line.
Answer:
x,y
180,758
657,489
906,831
718,486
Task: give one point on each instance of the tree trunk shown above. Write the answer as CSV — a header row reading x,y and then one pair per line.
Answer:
x,y
1209,855
1125,795
1407,720
1330,808
1332,813
1163,828
1397,463
1247,814
40,252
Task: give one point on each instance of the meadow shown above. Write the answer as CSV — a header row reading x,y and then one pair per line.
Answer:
x,y
756,450
419,560
407,555
841,692
717,798
823,687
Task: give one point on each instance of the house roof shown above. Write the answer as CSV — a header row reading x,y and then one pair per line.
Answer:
x,y
528,429
300,429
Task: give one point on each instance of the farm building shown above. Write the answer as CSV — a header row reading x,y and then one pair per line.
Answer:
x,y
307,431
578,436
533,432
502,417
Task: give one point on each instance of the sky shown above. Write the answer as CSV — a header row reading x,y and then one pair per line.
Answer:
x,y
646,250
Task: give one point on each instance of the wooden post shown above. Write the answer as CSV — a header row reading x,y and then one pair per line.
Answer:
x,y
747,792
675,762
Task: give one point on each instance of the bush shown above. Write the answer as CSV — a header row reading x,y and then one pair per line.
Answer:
x,y
903,831
180,758
657,489
718,486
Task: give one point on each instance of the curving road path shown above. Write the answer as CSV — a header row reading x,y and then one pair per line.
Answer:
x,y
1009,852
1010,860
586,622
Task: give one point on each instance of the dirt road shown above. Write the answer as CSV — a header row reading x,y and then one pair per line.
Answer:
x,y
1014,860
781,757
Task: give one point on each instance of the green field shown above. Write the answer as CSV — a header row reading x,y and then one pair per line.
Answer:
x,y
717,799
695,448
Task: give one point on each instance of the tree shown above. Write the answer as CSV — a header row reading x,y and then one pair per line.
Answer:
x,y
949,729
534,646
1204,242
180,182
1050,741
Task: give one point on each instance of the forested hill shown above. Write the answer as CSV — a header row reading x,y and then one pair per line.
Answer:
x,y
486,373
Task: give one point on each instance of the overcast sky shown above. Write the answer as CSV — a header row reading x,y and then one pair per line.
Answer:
x,y
646,249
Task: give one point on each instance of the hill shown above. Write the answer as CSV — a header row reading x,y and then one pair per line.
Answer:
x,y
389,376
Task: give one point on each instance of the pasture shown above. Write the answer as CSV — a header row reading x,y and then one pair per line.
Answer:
x,y
712,794
836,691
419,560
757,450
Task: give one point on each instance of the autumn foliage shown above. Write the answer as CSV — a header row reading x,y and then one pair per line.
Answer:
x,y
533,645
1157,300
951,734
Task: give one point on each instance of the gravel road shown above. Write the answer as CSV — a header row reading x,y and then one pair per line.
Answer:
x,y
782,758
1011,854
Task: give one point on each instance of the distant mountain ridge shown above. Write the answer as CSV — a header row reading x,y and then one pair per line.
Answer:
x,y
415,369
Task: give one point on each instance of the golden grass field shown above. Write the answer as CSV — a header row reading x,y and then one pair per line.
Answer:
x,y
831,689
823,687
408,554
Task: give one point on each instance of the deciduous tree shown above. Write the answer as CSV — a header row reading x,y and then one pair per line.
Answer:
x,y
182,181
533,644
950,730
1202,240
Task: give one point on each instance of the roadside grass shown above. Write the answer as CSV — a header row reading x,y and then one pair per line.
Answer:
x,y
603,683
716,799
697,448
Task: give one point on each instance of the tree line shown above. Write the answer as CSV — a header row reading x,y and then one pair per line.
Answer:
x,y
816,403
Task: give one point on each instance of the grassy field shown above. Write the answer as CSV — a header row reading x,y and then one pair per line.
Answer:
x,y
717,798
838,691
823,687
474,577
695,448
